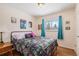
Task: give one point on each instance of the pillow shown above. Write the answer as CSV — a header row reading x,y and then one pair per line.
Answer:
x,y
28,35
33,34
18,36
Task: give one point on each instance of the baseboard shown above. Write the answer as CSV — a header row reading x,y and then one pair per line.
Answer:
x,y
66,48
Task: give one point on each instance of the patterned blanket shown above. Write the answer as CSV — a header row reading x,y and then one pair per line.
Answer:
x,y
37,46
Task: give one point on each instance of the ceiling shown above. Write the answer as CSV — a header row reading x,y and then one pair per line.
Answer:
x,y
46,9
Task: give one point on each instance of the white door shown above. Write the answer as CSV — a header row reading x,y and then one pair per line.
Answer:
x,y
77,29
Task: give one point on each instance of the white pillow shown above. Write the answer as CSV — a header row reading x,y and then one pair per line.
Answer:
x,y
18,36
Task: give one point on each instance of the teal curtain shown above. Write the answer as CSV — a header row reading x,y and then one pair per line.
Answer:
x,y
60,29
43,29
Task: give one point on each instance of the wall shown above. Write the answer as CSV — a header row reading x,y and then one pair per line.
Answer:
x,y
6,12
67,15
77,29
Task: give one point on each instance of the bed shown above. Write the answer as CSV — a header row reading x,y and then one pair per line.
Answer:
x,y
33,46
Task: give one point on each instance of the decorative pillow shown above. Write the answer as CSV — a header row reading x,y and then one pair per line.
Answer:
x,y
28,35
33,34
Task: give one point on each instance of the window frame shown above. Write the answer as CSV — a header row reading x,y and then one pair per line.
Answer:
x,y
51,28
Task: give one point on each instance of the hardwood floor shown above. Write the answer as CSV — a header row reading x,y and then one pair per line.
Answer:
x,y
60,52
65,52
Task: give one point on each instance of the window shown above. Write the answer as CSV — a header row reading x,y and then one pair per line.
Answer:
x,y
52,25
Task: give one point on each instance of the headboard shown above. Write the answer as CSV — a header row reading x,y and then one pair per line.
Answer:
x,y
19,33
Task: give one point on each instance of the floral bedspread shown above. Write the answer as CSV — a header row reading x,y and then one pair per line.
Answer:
x,y
37,46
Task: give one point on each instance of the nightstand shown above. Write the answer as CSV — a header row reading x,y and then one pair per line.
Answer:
x,y
6,49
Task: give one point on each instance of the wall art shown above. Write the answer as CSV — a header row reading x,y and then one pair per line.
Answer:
x,y
23,24
13,20
30,24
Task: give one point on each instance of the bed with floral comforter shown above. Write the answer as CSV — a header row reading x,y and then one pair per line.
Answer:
x,y
37,46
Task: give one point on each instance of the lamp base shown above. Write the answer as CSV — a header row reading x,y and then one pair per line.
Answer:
x,y
1,42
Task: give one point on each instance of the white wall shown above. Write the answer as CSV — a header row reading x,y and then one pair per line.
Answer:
x,y
69,38
77,29
6,12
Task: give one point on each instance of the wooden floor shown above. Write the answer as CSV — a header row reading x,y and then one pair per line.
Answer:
x,y
65,52
60,52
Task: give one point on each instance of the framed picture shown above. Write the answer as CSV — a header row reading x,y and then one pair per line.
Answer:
x,y
67,28
23,24
30,24
39,26
13,20
67,22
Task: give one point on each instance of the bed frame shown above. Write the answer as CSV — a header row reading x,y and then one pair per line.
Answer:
x,y
54,52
